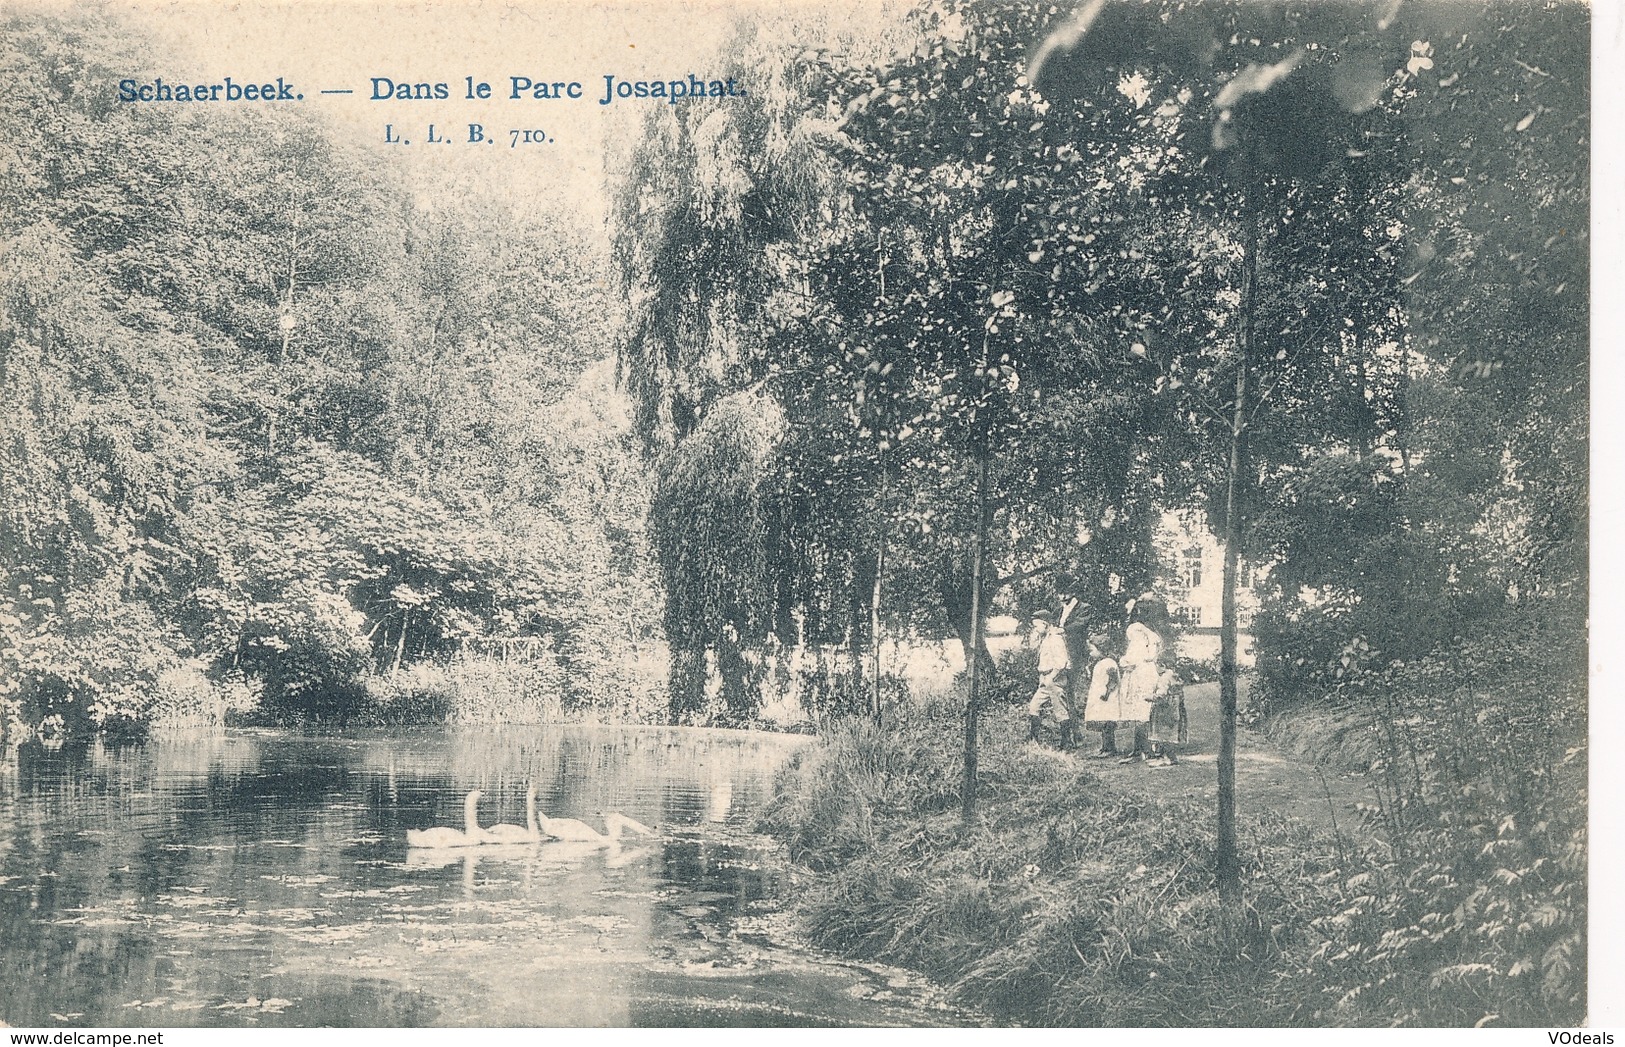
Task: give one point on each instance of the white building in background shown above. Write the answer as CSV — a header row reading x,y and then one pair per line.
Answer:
x,y
1192,581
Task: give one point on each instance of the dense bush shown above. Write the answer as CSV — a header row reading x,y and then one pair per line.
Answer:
x,y
186,698
105,664
412,695
1012,676
93,665
312,657
1196,670
1299,649
1476,908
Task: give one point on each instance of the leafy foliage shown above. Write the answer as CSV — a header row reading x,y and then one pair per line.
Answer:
x,y
1131,283
269,412
1474,910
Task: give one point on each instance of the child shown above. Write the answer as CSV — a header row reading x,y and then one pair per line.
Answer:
x,y
1166,719
1053,667
1103,706
1142,651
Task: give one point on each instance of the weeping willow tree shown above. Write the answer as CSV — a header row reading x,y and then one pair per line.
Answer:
x,y
715,202
712,203
793,251
710,532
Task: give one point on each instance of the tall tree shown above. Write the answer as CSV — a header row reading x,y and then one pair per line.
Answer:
x,y
1353,72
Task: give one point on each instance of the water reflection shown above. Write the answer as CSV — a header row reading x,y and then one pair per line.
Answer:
x,y
263,879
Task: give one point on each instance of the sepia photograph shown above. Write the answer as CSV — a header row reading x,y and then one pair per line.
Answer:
x,y
879,514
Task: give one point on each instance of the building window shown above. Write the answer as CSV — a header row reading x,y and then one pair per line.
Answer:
x,y
1191,568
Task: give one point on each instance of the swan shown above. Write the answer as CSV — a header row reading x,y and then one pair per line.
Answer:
x,y
441,836
530,832
574,831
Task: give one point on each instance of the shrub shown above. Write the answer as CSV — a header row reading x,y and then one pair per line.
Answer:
x,y
417,694
1475,911
92,666
1015,672
185,698
309,651
1297,647
1197,670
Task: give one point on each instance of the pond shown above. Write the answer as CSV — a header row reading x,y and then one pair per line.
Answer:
x,y
263,879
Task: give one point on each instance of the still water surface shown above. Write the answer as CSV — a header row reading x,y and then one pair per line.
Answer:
x,y
264,880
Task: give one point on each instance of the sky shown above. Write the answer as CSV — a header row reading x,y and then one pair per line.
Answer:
x,y
334,46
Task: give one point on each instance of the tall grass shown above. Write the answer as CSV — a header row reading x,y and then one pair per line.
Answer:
x,y
185,699
1078,901
1072,902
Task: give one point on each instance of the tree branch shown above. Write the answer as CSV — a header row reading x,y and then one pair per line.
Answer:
x,y
1021,576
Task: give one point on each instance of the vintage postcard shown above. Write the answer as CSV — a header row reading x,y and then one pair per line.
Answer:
x,y
904,513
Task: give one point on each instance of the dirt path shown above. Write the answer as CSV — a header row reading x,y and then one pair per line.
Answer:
x,y
1266,778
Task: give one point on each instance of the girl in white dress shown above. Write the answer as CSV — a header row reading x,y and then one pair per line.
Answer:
x,y
1142,651
1102,707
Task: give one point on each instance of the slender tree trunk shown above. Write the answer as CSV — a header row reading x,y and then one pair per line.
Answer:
x,y
1404,420
285,320
1227,864
973,700
877,709
880,535
857,620
400,641
1227,867
956,605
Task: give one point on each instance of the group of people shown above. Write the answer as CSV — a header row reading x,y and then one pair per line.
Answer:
x,y
1109,679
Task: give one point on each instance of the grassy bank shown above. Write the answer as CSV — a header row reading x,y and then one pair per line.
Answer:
x,y
1083,896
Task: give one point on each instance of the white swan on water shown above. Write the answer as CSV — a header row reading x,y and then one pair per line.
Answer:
x,y
530,832
574,831
441,836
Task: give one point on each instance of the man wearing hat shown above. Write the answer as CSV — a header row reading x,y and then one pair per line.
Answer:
x,y
1076,624
1053,669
